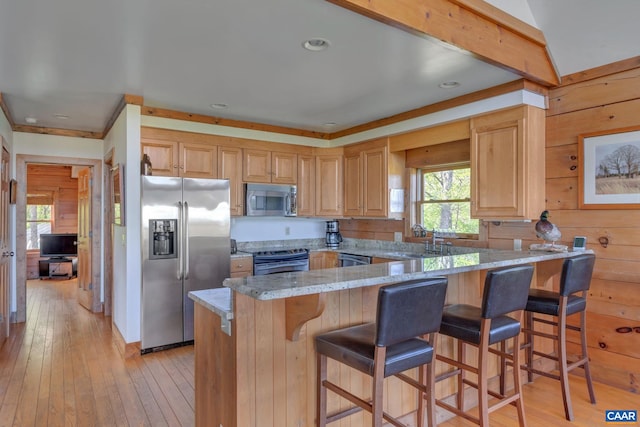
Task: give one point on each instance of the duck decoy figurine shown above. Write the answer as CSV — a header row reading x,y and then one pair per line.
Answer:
x,y
546,230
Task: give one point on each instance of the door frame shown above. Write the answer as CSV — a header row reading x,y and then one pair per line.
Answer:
x,y
21,208
107,236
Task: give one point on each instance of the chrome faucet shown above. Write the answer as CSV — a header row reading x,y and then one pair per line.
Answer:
x,y
434,248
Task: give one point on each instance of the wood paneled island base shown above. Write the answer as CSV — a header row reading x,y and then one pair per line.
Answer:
x,y
257,377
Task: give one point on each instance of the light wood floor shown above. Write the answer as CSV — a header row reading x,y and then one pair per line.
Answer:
x,y
62,368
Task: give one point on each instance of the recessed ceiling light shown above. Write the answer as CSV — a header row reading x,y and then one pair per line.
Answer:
x,y
449,85
61,116
31,120
219,106
316,44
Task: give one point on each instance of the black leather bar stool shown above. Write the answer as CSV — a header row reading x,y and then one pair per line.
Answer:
x,y
407,313
571,299
503,301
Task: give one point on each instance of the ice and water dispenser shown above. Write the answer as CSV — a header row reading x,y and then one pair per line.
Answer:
x,y
162,241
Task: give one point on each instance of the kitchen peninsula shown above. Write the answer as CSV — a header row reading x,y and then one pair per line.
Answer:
x,y
255,358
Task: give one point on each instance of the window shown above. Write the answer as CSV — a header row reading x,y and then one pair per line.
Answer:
x,y
446,201
39,221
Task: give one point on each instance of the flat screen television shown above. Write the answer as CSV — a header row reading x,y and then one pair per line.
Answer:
x,y
58,245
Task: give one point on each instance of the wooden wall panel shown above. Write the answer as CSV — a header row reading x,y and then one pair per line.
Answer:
x,y
609,89
603,103
57,180
562,193
564,129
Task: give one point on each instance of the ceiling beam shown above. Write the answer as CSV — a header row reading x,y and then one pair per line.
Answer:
x,y
473,26
58,132
211,120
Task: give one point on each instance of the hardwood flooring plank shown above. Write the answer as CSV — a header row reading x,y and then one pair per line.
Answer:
x,y
61,368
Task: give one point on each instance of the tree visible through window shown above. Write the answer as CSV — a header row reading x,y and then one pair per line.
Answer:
x,y
39,221
446,201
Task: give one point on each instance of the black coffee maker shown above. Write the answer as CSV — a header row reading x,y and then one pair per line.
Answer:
x,y
333,237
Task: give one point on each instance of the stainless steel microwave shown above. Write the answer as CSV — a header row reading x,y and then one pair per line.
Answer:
x,y
270,200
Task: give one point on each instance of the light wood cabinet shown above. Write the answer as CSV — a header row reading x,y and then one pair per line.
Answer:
x,y
184,159
507,164
306,185
329,185
270,167
163,155
198,160
230,167
241,266
353,184
322,259
368,176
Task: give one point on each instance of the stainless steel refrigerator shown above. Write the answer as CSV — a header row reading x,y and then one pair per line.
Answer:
x,y
185,247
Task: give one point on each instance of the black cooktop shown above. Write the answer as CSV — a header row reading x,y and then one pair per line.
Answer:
x,y
279,251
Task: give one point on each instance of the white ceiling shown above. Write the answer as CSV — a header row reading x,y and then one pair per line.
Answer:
x,y
78,57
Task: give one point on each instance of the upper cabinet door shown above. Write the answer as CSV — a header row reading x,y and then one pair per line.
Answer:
x,y
507,164
329,182
163,155
306,185
173,158
353,184
230,167
198,160
375,189
270,167
284,168
367,176
256,166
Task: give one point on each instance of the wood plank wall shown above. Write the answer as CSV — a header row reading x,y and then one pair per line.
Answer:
x,y
57,181
276,378
604,102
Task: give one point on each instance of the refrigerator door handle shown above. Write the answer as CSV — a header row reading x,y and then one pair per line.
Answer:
x,y
180,240
186,240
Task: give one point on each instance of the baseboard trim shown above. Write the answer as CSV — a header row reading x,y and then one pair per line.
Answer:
x,y
126,350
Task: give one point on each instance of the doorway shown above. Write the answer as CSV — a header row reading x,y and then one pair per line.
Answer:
x,y
96,225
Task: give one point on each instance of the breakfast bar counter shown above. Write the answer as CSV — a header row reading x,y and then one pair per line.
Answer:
x,y
255,361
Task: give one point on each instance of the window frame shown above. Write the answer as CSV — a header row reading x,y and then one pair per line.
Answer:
x,y
51,222
420,200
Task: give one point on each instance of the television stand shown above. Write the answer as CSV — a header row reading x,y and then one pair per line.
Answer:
x,y
58,268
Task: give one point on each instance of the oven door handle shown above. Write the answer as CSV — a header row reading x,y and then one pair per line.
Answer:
x,y
280,267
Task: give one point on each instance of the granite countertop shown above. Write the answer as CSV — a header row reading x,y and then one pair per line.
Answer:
x,y
286,285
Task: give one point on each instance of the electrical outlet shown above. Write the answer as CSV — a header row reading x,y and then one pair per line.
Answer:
x,y
287,231
397,236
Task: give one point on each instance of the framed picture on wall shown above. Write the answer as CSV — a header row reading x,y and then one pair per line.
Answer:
x,y
117,189
609,172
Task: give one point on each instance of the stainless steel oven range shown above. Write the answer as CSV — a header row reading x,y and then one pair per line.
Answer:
x,y
272,261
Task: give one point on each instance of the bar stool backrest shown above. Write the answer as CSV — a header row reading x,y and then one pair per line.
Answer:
x,y
576,274
506,290
409,309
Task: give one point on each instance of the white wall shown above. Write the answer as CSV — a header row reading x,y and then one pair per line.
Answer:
x,y
54,146
246,229
124,138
